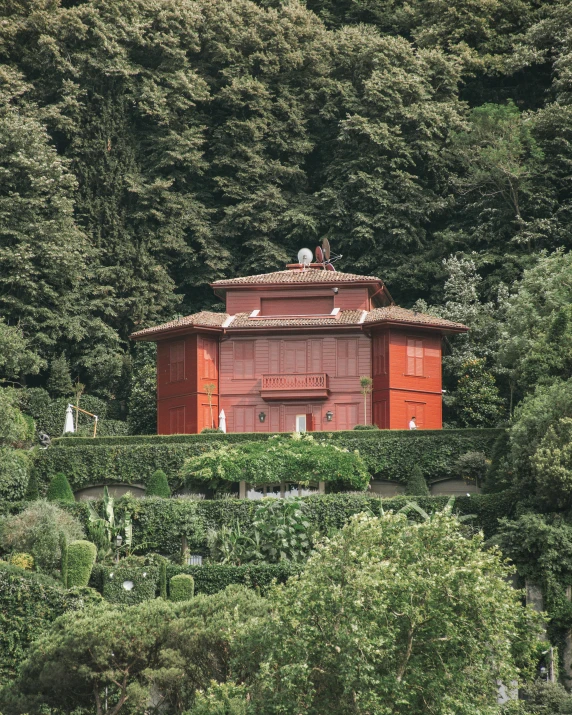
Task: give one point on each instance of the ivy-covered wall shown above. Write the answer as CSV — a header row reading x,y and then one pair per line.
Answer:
x,y
388,454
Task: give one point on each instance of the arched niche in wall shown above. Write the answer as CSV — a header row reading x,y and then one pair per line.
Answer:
x,y
115,490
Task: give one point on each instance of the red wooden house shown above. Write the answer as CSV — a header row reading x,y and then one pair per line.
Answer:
x,y
289,352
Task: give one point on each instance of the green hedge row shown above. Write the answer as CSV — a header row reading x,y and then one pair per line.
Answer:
x,y
388,454
28,604
211,578
159,524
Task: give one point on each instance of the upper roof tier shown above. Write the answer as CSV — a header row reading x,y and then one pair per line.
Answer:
x,y
296,275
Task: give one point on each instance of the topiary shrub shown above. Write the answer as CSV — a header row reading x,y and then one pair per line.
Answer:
x,y
366,427
32,490
59,489
181,587
210,430
80,559
23,561
416,485
163,579
158,485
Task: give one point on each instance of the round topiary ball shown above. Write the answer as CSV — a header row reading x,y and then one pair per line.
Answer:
x,y
158,485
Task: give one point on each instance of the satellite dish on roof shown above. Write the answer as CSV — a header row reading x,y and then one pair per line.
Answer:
x,y
305,256
326,249
319,255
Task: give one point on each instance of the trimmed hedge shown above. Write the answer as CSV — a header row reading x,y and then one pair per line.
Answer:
x,y
81,557
145,580
388,454
29,602
212,578
181,587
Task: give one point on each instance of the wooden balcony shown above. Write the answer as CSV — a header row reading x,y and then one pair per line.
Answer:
x,y
303,386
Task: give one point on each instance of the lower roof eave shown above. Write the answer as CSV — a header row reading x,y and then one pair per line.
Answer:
x,y
154,337
417,326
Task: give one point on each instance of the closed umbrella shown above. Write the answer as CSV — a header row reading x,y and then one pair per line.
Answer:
x,y
222,421
68,426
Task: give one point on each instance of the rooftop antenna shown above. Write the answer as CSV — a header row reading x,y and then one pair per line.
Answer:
x,y
325,256
305,257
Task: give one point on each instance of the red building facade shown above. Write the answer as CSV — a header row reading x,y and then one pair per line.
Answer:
x,y
289,352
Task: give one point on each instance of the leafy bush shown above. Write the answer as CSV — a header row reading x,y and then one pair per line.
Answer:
x,y
366,427
533,417
59,489
210,430
279,531
388,454
472,466
14,473
552,464
130,581
416,484
80,559
37,531
181,587
298,459
158,486
23,561
388,581
29,602
14,428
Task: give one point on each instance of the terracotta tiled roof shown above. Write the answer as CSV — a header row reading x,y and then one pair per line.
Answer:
x,y
240,321
395,314
344,317
310,275
202,319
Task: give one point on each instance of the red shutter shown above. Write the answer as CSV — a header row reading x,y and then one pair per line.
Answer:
x,y
209,352
244,359
346,416
309,422
243,419
177,420
177,361
414,357
379,343
294,357
347,358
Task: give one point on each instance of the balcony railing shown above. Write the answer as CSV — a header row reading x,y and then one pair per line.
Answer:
x,y
280,387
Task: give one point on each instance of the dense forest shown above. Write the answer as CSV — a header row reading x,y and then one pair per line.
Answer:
x,y
148,147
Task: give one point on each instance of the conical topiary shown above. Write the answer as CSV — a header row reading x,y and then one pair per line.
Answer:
x,y
59,489
416,486
32,491
158,485
59,380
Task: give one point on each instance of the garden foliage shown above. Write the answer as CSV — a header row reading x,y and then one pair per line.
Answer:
x,y
38,530
158,486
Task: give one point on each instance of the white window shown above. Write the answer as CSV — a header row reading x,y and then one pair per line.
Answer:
x,y
300,423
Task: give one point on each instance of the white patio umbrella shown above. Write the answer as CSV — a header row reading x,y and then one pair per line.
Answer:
x,y
68,426
222,421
